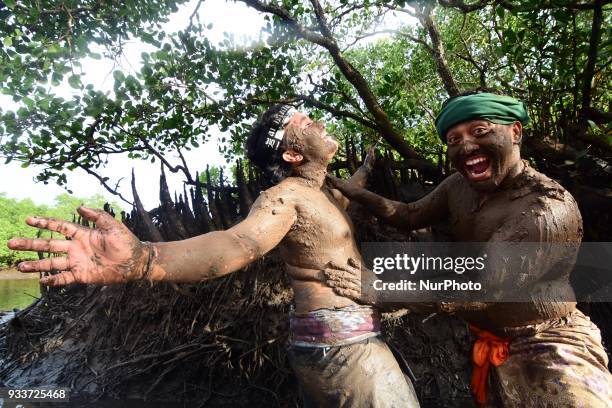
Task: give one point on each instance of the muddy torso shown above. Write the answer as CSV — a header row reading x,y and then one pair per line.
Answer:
x,y
507,212
470,218
531,201
474,218
322,233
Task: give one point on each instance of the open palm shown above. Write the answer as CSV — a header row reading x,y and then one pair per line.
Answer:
x,y
110,253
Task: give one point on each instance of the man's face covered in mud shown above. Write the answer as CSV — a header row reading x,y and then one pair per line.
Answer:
x,y
484,152
309,139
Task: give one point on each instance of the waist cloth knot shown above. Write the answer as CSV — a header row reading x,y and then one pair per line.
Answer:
x,y
488,349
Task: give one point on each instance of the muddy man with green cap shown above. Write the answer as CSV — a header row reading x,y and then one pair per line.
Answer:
x,y
538,352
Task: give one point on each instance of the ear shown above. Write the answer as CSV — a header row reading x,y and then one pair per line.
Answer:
x,y
517,132
293,157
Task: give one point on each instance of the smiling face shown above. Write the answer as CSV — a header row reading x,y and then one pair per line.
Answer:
x,y
484,152
309,139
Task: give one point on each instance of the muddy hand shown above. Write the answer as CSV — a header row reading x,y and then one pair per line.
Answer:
x,y
370,159
345,186
345,280
110,253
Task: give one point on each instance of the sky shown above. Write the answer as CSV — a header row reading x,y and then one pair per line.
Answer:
x,y
17,182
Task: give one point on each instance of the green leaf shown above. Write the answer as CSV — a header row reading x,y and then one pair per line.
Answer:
x,y
7,41
54,48
75,81
118,75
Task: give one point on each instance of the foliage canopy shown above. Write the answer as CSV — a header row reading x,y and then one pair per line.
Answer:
x,y
336,57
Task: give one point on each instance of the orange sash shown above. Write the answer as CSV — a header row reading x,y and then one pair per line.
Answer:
x,y
488,349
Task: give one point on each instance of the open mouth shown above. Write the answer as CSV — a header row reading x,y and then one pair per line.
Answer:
x,y
478,167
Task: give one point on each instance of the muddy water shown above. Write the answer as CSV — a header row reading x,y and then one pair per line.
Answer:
x,y
17,293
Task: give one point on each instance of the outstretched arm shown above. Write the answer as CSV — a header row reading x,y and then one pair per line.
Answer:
x,y
407,216
110,253
219,253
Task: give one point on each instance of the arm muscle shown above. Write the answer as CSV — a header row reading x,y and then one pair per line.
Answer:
x,y
219,253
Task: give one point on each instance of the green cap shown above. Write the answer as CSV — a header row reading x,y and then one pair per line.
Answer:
x,y
494,108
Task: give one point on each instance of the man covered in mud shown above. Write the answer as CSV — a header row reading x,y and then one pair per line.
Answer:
x,y
537,353
335,347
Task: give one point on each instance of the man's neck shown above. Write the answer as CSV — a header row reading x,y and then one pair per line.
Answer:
x,y
508,181
513,174
311,172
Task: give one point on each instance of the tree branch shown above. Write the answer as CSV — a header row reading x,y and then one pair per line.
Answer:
x,y
152,150
466,8
482,71
346,97
338,17
321,19
102,181
194,14
391,31
284,15
337,112
589,71
386,128
424,16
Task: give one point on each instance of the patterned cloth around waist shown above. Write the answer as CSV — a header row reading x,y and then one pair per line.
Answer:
x,y
334,326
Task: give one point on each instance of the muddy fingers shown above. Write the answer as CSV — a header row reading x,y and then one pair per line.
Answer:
x,y
350,273
345,267
101,218
332,273
66,228
45,265
354,263
60,279
39,245
343,283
